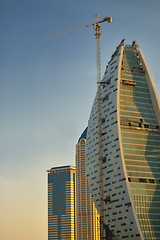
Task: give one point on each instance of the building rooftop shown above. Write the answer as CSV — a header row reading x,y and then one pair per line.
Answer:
x,y
61,168
84,135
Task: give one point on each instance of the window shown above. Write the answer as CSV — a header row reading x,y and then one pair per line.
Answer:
x,y
123,224
125,236
142,180
119,206
115,89
128,204
122,179
115,213
151,181
103,120
106,97
108,81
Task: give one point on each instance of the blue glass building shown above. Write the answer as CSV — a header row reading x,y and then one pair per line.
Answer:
x,y
61,203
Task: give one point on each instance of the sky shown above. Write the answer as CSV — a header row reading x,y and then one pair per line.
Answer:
x,y
47,89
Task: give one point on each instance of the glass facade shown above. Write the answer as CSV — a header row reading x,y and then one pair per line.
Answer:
x,y
141,143
61,203
125,178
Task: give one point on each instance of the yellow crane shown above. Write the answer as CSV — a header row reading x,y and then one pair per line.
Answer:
x,y
97,26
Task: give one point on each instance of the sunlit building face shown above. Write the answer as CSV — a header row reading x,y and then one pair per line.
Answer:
x,y
87,217
127,192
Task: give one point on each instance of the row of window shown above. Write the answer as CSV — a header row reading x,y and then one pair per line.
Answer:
x,y
139,134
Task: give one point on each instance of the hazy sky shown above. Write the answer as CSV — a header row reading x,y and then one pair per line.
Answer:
x,y
47,89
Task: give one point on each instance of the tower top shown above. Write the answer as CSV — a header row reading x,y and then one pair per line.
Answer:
x,y
61,169
83,135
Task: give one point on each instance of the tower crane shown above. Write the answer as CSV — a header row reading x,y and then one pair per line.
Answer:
x,y
97,26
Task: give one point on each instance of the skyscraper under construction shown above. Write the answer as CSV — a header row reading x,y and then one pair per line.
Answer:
x,y
123,147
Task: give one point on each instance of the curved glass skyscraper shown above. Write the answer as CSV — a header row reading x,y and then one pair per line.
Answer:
x,y
125,178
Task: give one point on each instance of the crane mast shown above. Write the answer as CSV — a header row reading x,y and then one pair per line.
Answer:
x,y
99,108
97,26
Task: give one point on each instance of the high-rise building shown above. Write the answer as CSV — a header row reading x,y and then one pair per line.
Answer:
x,y
61,203
125,178
87,217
